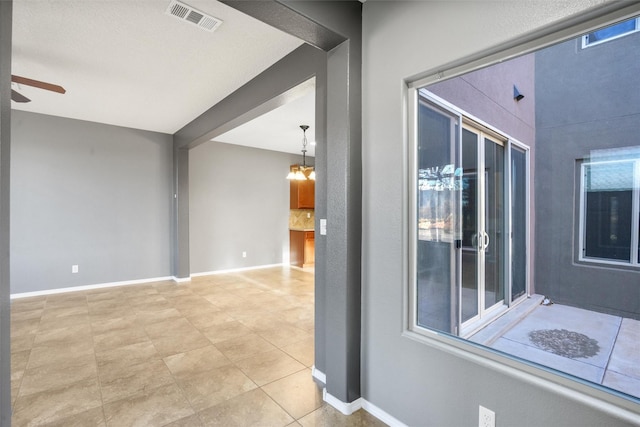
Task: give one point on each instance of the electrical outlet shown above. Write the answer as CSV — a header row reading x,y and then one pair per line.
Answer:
x,y
244,254
487,418
74,268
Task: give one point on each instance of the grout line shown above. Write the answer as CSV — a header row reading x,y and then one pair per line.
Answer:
x,y
615,341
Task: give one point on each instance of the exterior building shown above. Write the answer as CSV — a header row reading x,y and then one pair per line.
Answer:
x,y
587,126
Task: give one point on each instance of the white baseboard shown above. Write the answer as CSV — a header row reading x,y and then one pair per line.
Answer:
x,y
345,408
132,282
88,287
318,375
361,403
383,416
235,270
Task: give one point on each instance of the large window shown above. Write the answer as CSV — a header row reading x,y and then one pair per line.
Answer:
x,y
610,215
524,226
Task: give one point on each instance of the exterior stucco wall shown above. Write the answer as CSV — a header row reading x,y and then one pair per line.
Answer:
x,y
587,99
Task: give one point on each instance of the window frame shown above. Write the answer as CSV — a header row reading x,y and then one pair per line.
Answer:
x,y
634,260
607,400
587,44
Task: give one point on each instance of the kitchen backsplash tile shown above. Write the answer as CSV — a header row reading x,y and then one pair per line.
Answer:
x,y
298,219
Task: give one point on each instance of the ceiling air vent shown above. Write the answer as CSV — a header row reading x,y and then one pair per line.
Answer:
x,y
186,13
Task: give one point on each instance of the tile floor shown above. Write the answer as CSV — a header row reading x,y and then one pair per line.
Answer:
x,y
227,349
612,345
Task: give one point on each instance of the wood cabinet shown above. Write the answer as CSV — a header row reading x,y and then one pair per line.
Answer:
x,y
302,194
301,248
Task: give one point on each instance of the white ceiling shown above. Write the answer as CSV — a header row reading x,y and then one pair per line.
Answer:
x,y
127,63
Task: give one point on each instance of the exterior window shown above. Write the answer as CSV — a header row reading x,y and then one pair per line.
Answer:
x,y
610,215
611,32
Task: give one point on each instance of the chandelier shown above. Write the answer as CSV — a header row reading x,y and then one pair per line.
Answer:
x,y
303,172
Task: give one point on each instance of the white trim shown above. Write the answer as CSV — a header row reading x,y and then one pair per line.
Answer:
x,y
235,270
89,287
318,375
181,279
345,408
361,403
383,416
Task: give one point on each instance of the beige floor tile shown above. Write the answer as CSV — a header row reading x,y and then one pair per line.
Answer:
x,y
262,321
22,342
226,301
149,316
17,316
69,335
190,302
63,321
302,351
111,293
124,381
69,299
63,355
156,407
91,418
155,301
266,367
283,335
114,323
121,357
327,416
243,347
24,327
190,421
207,389
105,313
298,394
63,311
53,405
169,328
196,362
107,306
253,408
119,338
54,376
205,320
226,331
27,304
143,350
19,362
176,336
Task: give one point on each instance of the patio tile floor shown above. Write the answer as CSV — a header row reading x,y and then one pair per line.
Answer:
x,y
598,347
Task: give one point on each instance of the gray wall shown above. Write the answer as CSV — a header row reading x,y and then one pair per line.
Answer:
x,y
488,95
90,194
587,99
238,201
418,383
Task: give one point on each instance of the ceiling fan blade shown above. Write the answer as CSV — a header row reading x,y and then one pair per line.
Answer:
x,y
18,97
37,83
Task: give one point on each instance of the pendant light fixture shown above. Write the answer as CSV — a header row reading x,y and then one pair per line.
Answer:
x,y
303,172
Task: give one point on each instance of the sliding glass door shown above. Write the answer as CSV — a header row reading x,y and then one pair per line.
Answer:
x,y
470,259
483,224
